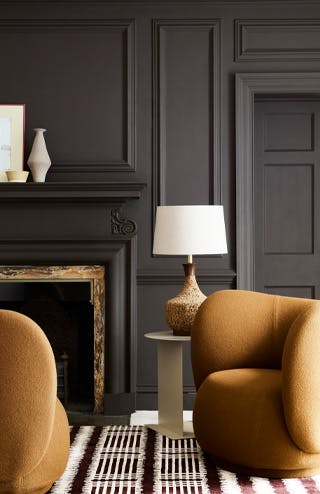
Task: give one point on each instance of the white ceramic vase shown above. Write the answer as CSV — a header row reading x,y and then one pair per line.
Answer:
x,y
39,160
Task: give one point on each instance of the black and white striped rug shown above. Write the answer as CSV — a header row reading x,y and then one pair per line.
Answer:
x,y
135,459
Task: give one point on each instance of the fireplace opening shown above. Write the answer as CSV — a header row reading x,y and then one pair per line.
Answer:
x,y
65,312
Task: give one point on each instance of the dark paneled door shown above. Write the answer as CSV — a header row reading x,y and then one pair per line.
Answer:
x,y
286,197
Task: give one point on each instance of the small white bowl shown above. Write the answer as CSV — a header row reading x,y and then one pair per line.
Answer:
x,y
17,176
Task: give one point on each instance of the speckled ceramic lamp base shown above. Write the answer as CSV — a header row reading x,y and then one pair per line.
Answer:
x,y
181,310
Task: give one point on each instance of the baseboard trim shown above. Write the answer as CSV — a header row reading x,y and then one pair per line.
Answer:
x,y
149,401
119,403
116,404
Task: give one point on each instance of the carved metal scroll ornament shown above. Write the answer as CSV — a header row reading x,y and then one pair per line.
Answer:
x,y
121,225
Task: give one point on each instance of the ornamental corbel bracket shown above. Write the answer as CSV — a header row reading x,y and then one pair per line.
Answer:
x,y
121,225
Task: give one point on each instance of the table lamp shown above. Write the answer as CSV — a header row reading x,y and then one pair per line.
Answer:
x,y
188,230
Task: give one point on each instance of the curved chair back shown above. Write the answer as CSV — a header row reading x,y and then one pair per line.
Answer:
x,y
27,394
239,329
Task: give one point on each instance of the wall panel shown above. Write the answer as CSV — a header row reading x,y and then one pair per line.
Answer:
x,y
186,111
79,73
292,291
277,39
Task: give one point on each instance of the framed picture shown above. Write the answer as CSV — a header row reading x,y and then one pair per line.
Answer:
x,y
12,123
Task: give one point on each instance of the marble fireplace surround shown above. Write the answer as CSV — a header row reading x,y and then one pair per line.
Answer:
x,y
95,275
90,228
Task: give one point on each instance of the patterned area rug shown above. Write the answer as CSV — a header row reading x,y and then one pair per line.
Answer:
x,y
135,459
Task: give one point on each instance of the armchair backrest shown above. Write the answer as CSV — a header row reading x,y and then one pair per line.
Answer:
x,y
27,394
240,329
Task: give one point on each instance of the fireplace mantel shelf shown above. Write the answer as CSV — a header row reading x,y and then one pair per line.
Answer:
x,y
118,192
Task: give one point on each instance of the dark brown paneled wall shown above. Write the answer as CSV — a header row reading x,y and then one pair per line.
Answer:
x,y
78,73
186,88
144,91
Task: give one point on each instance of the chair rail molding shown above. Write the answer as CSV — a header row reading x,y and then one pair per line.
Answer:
x,y
216,278
248,85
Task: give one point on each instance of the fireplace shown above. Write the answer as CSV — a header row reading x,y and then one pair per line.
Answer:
x,y
45,306
67,229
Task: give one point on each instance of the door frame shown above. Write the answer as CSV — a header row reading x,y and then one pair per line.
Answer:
x,y
248,85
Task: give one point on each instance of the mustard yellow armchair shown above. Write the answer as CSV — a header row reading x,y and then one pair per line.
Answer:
x,y
34,431
256,366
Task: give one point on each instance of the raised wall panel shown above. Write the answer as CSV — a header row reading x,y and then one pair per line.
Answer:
x,y
76,79
277,39
288,132
186,112
288,209
292,291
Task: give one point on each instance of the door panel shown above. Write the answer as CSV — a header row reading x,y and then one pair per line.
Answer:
x,y
288,193
286,197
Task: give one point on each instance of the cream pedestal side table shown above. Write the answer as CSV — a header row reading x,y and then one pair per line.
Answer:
x,y
170,386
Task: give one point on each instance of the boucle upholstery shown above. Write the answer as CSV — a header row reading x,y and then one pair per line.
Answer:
x,y
34,431
256,365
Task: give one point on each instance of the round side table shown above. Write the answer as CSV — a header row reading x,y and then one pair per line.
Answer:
x,y
170,385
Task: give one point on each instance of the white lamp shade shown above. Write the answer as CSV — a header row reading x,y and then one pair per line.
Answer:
x,y
189,230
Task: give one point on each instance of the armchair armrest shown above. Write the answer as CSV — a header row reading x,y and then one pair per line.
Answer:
x,y
301,380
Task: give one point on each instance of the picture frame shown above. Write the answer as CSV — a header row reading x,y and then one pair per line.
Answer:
x,y
12,134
